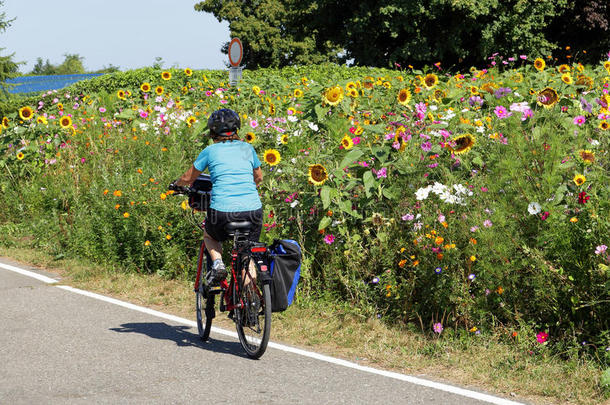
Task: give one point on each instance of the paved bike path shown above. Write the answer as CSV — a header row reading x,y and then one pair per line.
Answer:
x,y
60,347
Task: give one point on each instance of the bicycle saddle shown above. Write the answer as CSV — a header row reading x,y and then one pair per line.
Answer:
x,y
238,226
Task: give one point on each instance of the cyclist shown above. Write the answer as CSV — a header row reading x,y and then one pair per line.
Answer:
x,y
235,174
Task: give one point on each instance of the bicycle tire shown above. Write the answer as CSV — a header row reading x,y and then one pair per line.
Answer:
x,y
204,304
253,321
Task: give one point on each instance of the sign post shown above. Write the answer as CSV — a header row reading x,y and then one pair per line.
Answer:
x,y
236,52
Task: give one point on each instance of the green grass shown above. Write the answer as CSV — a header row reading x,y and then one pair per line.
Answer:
x,y
484,362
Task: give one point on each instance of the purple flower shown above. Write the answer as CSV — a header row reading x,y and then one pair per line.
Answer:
x,y
472,276
586,105
426,146
476,100
383,172
487,223
375,280
437,327
438,270
408,217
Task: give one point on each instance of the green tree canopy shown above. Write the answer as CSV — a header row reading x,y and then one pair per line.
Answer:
x,y
8,68
383,32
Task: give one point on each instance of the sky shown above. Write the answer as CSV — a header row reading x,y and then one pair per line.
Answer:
x,y
128,34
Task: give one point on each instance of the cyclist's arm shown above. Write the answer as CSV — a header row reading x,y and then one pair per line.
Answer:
x,y
258,175
188,177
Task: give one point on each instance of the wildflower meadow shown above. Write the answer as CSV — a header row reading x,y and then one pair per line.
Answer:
x,y
476,201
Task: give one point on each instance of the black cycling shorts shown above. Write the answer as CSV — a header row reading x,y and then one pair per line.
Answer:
x,y
216,220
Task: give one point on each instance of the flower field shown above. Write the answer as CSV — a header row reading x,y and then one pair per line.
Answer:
x,y
471,201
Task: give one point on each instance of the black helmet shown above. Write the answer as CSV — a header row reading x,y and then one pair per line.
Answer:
x,y
224,122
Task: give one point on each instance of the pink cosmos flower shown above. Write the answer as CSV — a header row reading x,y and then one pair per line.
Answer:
x,y
253,124
102,110
437,327
329,239
143,114
579,120
600,249
542,337
487,223
501,112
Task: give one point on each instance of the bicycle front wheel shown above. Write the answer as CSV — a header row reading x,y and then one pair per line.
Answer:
x,y
204,305
253,320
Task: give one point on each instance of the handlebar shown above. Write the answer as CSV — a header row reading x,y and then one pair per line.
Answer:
x,y
185,190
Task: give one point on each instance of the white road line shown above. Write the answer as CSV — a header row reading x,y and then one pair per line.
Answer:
x,y
402,377
40,277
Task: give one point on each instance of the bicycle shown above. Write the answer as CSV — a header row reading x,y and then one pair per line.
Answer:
x,y
245,295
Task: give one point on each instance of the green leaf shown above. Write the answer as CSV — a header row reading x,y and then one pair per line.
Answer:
x,y
324,223
325,196
369,182
127,114
388,194
320,112
351,156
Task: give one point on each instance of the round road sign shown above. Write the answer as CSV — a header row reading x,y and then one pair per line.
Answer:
x,y
236,51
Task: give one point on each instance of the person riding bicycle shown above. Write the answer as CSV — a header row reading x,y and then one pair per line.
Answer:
x,y
235,174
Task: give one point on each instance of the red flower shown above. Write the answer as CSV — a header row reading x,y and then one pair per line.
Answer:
x,y
542,337
545,215
583,197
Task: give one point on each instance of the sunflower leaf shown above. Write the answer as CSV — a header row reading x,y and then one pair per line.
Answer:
x,y
325,196
369,182
324,222
351,157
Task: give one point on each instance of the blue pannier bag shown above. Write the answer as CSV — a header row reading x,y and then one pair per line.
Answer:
x,y
285,271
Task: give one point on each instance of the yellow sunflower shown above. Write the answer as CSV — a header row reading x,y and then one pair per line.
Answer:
x,y
159,90
65,122
5,122
188,72
430,81
587,156
583,80
547,97
604,125
256,89
191,120
317,174
121,94
298,93
539,64
353,93
607,65
284,139
26,113
333,95
518,77
166,75
564,69
347,142
463,143
250,137
60,106
20,156
351,85
403,97
41,120
567,78
272,157
145,87
579,179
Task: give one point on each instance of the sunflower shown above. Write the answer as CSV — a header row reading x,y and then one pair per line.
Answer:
x,y
586,156
272,157
518,77
333,95
583,80
121,94
430,80
489,87
401,142
463,143
351,85
347,142
579,179
26,113
256,89
5,122
250,137
317,174
564,69
604,125
159,90
368,82
298,93
65,122
607,65
539,64
145,87
41,120
387,85
60,106
188,72
547,97
403,97
271,109
284,139
20,156
191,120
166,75
474,90
353,93
566,78
439,95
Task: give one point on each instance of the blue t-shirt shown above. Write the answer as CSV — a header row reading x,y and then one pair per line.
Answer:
x,y
230,165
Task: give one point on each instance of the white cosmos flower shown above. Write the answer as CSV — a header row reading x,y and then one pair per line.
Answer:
x,y
533,208
422,193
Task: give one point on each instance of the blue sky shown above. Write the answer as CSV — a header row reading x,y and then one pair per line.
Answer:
x,y
125,33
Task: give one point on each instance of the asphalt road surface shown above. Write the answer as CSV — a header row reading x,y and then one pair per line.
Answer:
x,y
62,347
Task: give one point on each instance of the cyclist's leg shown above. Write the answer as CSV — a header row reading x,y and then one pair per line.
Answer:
x,y
256,218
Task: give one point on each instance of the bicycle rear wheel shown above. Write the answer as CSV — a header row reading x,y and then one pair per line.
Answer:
x,y
253,320
204,306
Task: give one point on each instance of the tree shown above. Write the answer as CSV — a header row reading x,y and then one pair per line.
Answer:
x,y
72,64
383,32
8,68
